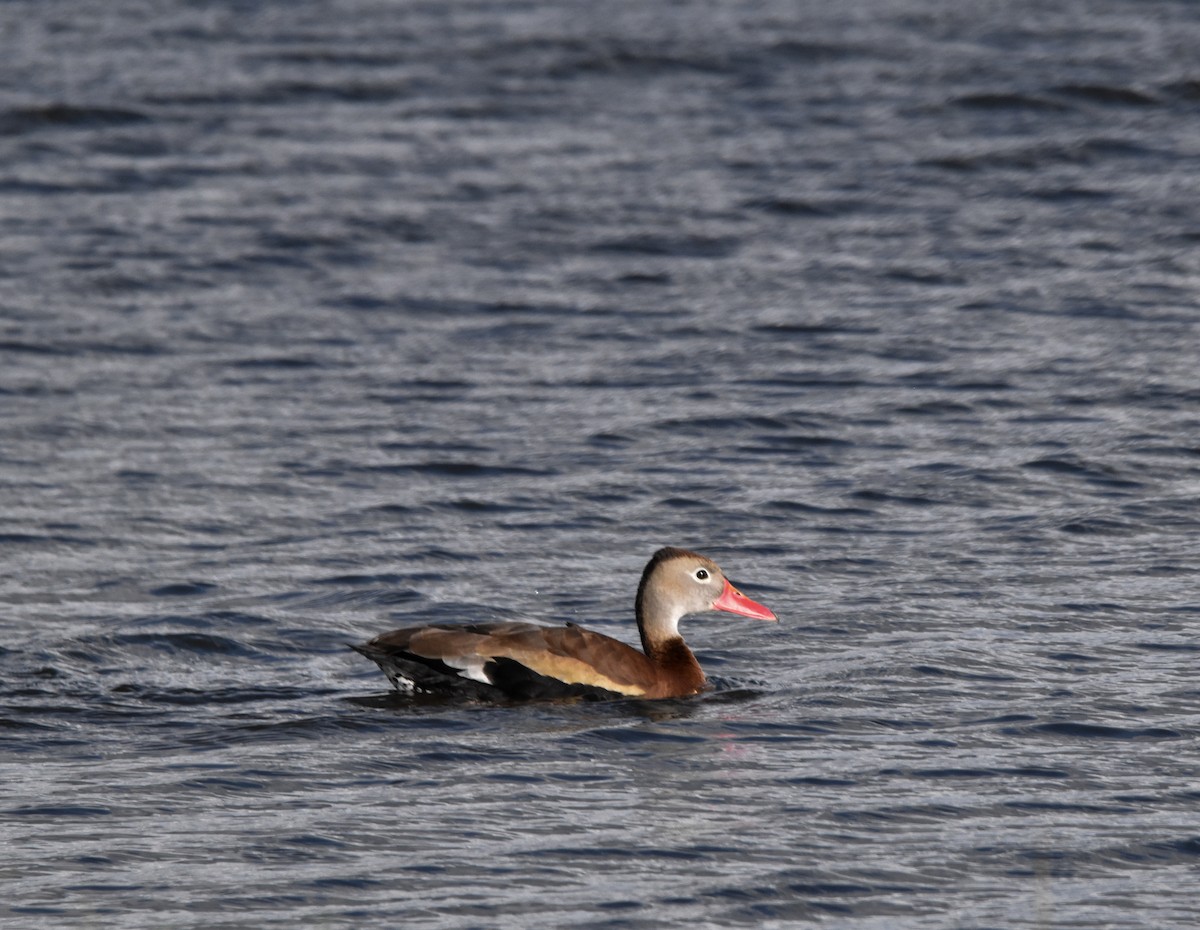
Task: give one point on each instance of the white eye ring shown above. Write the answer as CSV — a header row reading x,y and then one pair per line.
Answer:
x,y
701,574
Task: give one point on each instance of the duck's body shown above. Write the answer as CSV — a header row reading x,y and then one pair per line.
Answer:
x,y
526,660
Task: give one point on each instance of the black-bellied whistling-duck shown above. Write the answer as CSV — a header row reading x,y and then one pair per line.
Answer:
x,y
526,660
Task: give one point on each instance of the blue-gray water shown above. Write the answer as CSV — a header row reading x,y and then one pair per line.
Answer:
x,y
317,319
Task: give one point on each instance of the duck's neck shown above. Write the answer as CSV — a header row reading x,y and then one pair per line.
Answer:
x,y
678,671
658,623
657,618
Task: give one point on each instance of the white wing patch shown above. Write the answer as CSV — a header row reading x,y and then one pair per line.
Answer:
x,y
469,667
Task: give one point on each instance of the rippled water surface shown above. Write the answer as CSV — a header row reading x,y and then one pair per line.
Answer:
x,y
317,319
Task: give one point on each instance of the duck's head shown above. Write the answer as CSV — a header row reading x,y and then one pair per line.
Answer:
x,y
676,583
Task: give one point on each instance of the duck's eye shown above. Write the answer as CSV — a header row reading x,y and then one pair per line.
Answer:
x,y
701,574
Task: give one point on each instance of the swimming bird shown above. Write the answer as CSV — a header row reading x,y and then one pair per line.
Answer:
x,y
517,660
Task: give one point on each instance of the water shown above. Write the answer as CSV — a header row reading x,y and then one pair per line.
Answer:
x,y
320,319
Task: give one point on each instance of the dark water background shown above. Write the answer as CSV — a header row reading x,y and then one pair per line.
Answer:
x,y
321,318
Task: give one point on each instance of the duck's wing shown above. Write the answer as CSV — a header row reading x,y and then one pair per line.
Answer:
x,y
517,659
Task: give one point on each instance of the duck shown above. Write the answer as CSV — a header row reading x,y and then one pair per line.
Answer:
x,y
514,660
